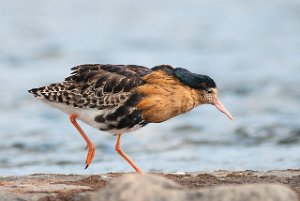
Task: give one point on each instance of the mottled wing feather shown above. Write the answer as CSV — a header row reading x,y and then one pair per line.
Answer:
x,y
95,86
114,88
103,81
80,73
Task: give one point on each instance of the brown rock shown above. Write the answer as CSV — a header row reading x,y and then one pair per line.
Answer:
x,y
50,187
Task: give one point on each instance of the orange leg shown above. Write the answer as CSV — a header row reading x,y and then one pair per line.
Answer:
x,y
90,146
119,150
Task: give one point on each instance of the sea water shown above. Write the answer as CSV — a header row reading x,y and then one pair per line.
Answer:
x,y
250,48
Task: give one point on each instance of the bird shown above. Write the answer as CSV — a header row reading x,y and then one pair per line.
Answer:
x,y
123,98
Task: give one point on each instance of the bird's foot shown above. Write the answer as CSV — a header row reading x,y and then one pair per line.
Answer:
x,y
90,155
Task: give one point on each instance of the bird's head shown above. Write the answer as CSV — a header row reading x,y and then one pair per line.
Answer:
x,y
205,86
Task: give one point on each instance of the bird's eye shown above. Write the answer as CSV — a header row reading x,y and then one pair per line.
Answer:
x,y
209,91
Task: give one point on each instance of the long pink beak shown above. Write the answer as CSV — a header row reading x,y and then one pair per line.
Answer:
x,y
222,108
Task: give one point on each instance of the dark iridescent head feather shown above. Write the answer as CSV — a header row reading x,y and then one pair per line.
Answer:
x,y
194,80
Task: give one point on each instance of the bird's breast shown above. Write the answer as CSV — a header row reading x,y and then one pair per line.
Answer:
x,y
165,97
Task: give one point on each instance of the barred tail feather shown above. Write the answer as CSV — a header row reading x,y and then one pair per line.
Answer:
x,y
36,91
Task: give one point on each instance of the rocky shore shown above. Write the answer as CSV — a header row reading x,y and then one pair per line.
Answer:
x,y
283,185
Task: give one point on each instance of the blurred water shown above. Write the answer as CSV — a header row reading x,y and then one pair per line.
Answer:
x,y
250,48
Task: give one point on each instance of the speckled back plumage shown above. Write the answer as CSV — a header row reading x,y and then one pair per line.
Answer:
x,y
107,91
